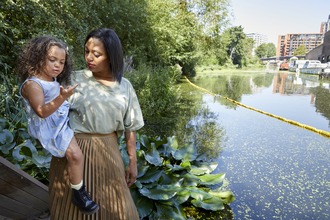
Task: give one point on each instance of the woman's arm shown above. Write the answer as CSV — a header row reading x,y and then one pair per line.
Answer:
x,y
131,172
33,92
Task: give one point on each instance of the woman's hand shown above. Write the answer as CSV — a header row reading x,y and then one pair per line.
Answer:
x,y
131,172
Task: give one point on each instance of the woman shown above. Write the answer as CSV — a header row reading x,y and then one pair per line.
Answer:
x,y
103,107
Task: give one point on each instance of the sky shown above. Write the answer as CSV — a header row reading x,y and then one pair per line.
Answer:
x,y
279,17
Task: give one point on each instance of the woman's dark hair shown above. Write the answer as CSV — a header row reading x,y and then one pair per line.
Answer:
x,y
113,48
32,59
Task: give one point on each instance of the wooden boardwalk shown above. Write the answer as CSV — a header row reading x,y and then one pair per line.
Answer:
x,y
21,196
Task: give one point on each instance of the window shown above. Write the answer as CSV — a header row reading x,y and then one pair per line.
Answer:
x,y
313,36
282,37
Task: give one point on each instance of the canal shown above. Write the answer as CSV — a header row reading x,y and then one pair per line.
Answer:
x,y
275,170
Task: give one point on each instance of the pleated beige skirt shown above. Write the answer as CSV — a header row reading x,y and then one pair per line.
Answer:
x,y
104,176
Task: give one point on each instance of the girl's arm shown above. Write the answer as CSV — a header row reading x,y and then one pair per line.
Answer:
x,y
33,92
131,172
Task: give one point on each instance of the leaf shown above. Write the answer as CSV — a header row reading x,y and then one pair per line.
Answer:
x,y
165,212
171,179
186,153
26,143
7,147
142,170
160,192
212,179
171,146
190,180
203,168
142,203
145,141
152,175
141,161
201,157
123,146
199,194
138,146
214,204
226,196
3,123
6,137
138,184
42,160
125,157
23,134
152,156
181,197
186,165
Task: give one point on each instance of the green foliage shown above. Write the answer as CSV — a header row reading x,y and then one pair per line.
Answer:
x,y
16,145
172,177
229,48
301,50
265,50
175,72
239,47
154,87
212,15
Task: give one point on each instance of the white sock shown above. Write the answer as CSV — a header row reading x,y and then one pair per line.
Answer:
x,y
78,186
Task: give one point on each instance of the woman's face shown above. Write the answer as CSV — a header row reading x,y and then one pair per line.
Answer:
x,y
96,57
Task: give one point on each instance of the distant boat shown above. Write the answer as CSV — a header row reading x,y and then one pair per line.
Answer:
x,y
284,66
313,67
272,65
296,65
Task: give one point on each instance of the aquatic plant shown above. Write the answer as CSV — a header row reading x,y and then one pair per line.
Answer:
x,y
172,178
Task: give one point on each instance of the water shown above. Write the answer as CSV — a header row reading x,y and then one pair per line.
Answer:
x,y
275,170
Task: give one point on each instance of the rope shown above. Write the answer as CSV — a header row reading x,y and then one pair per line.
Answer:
x,y
307,127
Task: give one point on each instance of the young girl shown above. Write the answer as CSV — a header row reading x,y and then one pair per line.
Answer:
x,y
44,63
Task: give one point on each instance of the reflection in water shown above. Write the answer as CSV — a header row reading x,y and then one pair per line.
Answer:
x,y
320,98
190,121
208,135
275,170
286,84
305,84
234,86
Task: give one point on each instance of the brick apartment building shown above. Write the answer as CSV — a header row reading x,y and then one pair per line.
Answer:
x,y
287,44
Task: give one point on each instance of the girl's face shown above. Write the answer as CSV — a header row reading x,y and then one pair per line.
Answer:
x,y
54,64
96,57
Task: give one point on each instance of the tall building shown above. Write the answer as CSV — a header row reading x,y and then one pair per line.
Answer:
x,y
325,26
288,43
258,38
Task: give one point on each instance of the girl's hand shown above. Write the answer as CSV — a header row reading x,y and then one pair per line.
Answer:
x,y
68,91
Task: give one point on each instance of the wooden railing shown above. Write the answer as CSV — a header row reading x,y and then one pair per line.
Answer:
x,y
21,196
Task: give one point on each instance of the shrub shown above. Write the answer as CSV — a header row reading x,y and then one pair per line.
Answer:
x,y
153,86
175,72
16,145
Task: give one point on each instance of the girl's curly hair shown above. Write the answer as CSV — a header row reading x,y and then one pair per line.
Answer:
x,y
32,59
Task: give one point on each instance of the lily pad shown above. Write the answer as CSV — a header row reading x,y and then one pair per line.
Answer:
x,y
186,153
160,192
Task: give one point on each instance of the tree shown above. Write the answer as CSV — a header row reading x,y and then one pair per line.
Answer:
x,y
301,50
265,50
237,46
212,15
271,50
